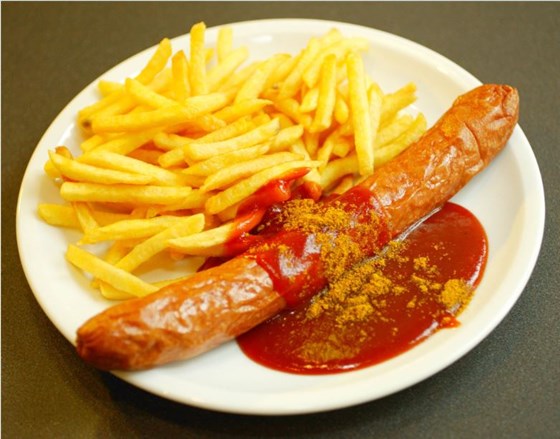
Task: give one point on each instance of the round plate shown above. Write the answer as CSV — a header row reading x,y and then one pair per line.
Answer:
x,y
507,197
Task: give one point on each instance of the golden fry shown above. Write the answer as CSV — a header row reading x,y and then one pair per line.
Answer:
x,y
156,63
214,164
225,67
244,188
241,109
391,150
194,107
78,171
117,277
327,96
394,102
65,216
130,229
157,243
201,151
336,169
197,67
199,243
230,174
359,108
225,42
71,191
180,70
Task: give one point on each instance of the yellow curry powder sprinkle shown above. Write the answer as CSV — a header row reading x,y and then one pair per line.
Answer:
x,y
336,230
456,294
361,292
357,293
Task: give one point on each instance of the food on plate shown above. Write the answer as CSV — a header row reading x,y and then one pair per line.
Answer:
x,y
202,132
305,245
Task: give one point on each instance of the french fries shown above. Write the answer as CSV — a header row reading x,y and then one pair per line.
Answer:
x,y
170,156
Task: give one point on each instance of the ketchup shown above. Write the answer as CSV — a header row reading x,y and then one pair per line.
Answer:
x,y
384,318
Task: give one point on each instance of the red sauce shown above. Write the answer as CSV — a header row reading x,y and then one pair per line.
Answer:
x,y
294,258
454,245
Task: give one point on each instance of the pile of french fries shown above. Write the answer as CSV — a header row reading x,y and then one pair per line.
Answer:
x,y
169,155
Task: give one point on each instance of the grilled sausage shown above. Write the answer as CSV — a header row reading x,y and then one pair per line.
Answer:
x,y
216,305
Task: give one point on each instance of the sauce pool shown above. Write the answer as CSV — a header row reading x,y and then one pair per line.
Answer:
x,y
384,306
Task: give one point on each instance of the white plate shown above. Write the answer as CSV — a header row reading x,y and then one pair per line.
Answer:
x,y
507,198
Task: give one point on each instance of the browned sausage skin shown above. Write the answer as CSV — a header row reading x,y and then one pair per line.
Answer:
x,y
182,321
193,316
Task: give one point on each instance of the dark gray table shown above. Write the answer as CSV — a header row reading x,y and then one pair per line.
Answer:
x,y
509,386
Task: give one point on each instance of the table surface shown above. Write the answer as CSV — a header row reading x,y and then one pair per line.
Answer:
x,y
508,386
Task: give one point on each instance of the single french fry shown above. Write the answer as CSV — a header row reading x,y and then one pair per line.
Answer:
x,y
230,174
326,149
336,169
119,162
156,63
51,170
157,243
234,129
115,253
180,70
126,143
241,109
108,87
85,217
210,242
195,200
197,67
343,185
256,83
311,141
85,114
198,243
92,142
225,42
170,141
298,147
225,67
172,158
412,134
194,107
144,96
77,171
237,128
111,293
116,277
343,146
65,216
339,48
234,80
341,110
292,83
310,100
217,162
286,137
327,96
250,185
359,108
394,102
124,105
72,191
282,65
393,130
130,229
201,151
375,99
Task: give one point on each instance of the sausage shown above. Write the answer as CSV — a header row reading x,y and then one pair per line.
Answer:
x,y
190,317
